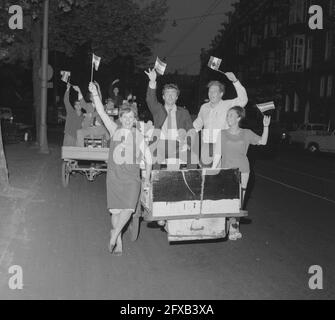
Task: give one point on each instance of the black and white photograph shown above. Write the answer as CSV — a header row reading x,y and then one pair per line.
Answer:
x,y
166,155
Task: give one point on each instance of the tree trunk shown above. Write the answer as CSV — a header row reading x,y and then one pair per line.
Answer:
x,y
4,183
36,33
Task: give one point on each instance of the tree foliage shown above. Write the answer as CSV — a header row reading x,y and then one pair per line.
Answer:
x,y
111,28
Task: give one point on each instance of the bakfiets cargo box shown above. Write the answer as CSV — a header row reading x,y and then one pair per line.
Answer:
x,y
193,204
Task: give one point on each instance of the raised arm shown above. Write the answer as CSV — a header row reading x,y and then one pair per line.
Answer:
x,y
86,106
265,135
242,97
108,122
68,106
151,99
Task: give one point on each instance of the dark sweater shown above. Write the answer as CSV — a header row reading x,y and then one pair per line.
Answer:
x,y
73,121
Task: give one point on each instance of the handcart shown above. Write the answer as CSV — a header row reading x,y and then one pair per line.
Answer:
x,y
86,160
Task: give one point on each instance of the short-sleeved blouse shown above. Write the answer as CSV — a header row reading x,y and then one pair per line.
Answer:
x,y
234,148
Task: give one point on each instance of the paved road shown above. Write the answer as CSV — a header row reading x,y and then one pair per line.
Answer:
x,y
59,237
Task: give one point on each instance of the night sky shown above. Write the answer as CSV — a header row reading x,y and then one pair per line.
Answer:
x,y
186,56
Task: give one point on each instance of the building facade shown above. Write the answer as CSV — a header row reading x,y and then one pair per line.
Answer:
x,y
269,44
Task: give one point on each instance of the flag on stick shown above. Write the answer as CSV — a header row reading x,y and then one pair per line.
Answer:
x,y
65,76
214,63
160,66
115,81
267,106
95,61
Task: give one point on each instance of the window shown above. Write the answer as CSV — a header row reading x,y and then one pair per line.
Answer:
x,y
309,57
295,53
322,86
287,103
329,43
273,26
287,53
330,86
296,11
296,102
309,128
266,30
254,40
299,11
331,7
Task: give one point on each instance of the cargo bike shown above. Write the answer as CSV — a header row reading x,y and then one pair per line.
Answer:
x,y
191,204
89,161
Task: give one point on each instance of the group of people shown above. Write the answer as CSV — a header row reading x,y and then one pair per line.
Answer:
x,y
224,143
82,119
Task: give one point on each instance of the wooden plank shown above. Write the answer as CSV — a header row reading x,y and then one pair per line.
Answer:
x,y
147,215
196,229
79,153
185,185
225,184
174,186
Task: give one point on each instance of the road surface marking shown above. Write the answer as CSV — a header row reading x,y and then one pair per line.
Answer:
x,y
295,188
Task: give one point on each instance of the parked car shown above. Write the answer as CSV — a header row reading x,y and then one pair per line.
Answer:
x,y
321,142
14,132
6,114
306,130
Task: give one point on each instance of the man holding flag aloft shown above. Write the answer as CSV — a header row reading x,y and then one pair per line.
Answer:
x,y
173,122
212,116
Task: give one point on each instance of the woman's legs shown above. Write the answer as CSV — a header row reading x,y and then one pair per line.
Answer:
x,y
118,222
234,223
114,222
244,184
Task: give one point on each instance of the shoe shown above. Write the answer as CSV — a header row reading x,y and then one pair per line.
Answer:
x,y
234,234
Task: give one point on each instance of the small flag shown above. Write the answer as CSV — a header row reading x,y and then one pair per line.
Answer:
x,y
160,66
115,81
95,61
263,107
65,76
214,63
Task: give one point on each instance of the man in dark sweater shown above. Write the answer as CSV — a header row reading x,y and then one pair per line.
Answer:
x,y
74,119
174,125
92,125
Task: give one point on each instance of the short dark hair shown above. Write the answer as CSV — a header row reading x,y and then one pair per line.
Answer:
x,y
171,86
240,112
219,84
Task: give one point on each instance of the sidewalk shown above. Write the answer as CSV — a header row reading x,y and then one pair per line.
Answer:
x,y
26,169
